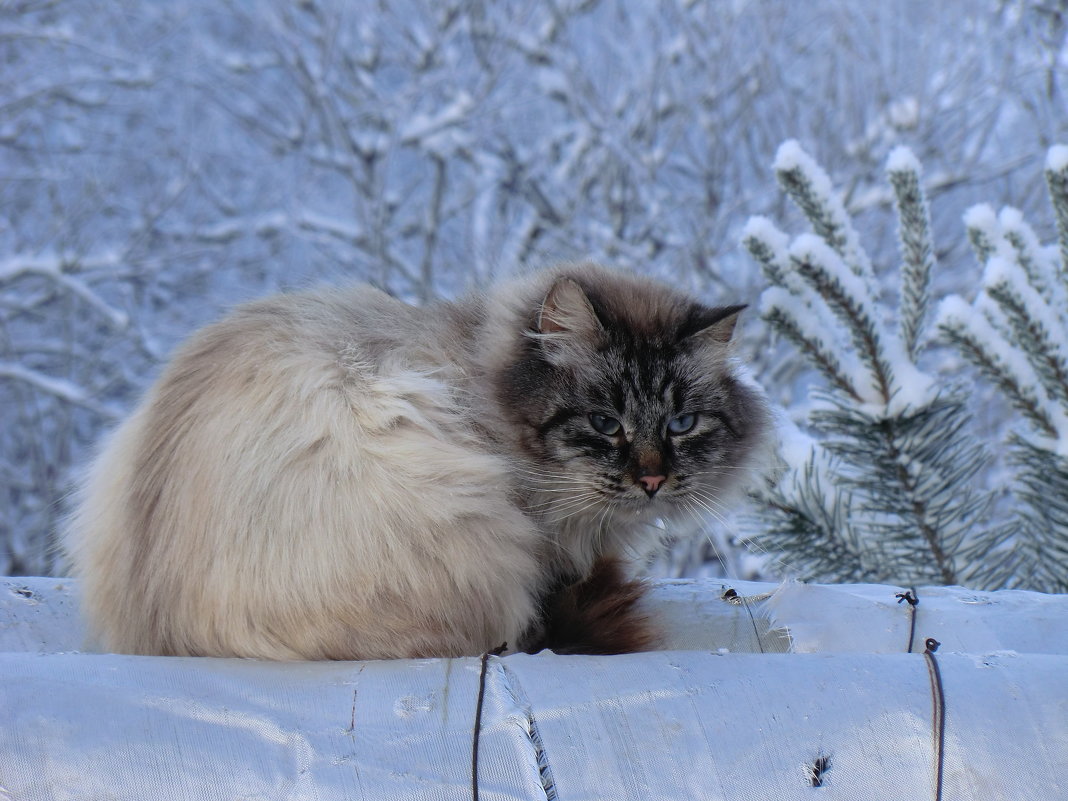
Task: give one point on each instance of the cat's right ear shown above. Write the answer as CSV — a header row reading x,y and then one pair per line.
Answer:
x,y
566,309
566,321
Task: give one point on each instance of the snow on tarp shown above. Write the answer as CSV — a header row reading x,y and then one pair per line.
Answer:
x,y
694,722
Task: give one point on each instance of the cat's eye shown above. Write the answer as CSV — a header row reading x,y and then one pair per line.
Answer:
x,y
682,423
609,426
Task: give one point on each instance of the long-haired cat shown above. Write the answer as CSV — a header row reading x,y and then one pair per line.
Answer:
x,y
340,475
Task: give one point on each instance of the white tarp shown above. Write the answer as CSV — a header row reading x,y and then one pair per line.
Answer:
x,y
697,722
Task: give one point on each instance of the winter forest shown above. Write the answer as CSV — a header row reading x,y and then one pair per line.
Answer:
x,y
885,184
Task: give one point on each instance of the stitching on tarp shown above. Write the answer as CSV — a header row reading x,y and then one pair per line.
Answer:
x,y
731,596
938,696
476,733
541,757
913,601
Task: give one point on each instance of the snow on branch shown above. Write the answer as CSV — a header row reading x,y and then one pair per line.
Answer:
x,y
848,298
984,231
58,270
769,246
810,187
60,388
964,326
1057,181
917,252
802,328
903,451
1040,263
1039,331
1022,346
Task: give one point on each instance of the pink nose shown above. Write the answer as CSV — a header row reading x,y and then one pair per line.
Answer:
x,y
651,484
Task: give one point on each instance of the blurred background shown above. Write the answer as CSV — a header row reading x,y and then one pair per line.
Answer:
x,y
160,162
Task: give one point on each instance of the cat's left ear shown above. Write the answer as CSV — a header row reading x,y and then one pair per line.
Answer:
x,y
715,327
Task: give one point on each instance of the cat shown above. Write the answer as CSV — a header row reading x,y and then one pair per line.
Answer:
x,y
340,475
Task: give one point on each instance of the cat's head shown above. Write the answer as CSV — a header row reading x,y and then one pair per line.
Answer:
x,y
624,394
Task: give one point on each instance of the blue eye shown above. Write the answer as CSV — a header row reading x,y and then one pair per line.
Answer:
x,y
609,426
682,423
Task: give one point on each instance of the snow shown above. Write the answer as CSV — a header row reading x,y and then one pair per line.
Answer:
x,y
813,250
982,217
954,313
59,387
1057,158
724,713
791,157
811,317
423,126
1010,276
764,230
904,114
901,159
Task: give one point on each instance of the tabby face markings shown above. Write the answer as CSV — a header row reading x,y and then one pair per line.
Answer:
x,y
639,431
629,403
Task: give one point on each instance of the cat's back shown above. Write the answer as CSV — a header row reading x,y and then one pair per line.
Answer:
x,y
258,495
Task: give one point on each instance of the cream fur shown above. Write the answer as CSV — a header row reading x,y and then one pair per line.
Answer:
x,y
280,469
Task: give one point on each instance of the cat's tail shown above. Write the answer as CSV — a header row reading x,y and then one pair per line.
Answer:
x,y
601,614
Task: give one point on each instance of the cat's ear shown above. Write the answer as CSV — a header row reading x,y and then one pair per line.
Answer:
x,y
567,310
567,324
715,327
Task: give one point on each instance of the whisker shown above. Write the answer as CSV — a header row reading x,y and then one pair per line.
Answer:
x,y
557,504
576,511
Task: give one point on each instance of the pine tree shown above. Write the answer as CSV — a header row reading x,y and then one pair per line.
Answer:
x,y
884,492
1015,332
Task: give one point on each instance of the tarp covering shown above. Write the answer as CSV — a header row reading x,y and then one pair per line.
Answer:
x,y
698,722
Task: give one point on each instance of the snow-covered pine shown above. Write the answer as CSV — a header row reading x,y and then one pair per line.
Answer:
x,y
1015,332
809,186
796,313
966,327
1057,181
917,252
984,230
885,493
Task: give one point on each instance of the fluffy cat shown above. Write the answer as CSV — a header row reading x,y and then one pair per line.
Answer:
x,y
340,475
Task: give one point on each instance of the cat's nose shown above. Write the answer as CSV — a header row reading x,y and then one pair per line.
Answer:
x,y
651,484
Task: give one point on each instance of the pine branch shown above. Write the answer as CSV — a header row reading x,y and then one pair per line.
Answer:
x,y
767,244
1000,362
809,186
776,311
1042,483
1040,269
1057,182
917,252
808,526
984,231
1036,328
846,296
906,465
911,472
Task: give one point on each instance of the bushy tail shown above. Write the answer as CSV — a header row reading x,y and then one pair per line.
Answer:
x,y
598,615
